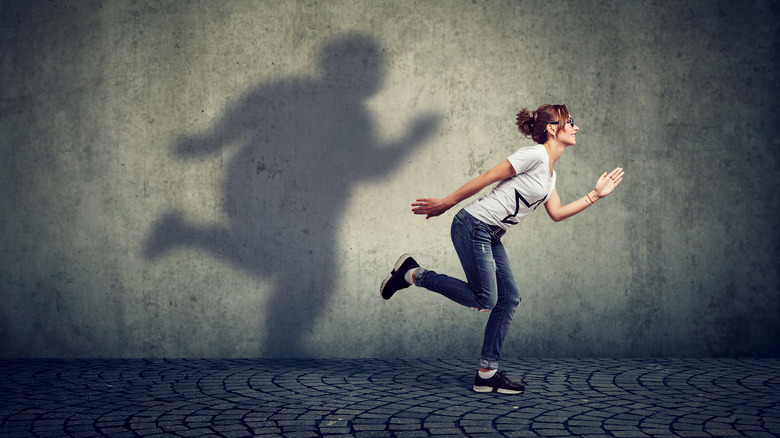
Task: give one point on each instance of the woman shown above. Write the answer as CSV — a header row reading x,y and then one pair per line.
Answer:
x,y
527,179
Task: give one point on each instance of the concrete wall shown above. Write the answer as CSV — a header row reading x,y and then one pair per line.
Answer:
x,y
197,179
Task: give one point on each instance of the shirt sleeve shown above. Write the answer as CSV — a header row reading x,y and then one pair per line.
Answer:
x,y
525,159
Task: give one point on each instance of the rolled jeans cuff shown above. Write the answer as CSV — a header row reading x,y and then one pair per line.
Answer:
x,y
488,364
418,275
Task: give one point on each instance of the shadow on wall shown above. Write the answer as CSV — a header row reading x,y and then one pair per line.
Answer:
x,y
304,144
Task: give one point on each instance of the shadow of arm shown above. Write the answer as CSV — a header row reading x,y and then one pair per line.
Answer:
x,y
232,126
422,129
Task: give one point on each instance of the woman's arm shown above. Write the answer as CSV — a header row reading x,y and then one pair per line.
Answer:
x,y
434,207
604,186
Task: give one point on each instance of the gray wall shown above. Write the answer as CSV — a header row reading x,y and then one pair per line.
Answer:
x,y
197,179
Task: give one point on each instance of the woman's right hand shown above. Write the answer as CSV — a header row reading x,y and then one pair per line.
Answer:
x,y
430,207
607,183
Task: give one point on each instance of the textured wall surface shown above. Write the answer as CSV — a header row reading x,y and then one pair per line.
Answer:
x,y
233,179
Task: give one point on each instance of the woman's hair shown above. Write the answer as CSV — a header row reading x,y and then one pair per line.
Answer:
x,y
534,124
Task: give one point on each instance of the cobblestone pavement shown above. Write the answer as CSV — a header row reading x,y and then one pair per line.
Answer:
x,y
403,398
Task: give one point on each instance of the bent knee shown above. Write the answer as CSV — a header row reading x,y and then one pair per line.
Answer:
x,y
488,304
507,305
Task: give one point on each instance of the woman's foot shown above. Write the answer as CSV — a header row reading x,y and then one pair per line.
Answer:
x,y
396,281
499,383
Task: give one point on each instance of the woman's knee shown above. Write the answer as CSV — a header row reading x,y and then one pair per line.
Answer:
x,y
508,302
514,300
486,301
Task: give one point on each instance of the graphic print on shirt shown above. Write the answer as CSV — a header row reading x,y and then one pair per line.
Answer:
x,y
510,219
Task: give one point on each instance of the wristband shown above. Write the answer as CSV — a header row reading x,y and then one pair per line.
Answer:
x,y
590,200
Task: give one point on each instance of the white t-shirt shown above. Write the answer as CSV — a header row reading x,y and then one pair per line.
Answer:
x,y
516,197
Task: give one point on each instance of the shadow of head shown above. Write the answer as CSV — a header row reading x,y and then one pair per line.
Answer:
x,y
355,62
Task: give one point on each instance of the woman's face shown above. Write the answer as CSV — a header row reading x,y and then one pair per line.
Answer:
x,y
568,134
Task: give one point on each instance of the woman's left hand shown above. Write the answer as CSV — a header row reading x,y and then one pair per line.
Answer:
x,y
430,207
608,182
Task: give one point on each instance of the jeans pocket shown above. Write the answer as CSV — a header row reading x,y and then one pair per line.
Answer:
x,y
457,226
457,220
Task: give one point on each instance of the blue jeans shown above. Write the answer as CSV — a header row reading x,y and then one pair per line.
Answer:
x,y
491,284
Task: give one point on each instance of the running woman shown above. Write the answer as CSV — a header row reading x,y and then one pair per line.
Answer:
x,y
525,180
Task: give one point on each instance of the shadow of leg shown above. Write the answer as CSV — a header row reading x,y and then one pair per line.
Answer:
x,y
168,232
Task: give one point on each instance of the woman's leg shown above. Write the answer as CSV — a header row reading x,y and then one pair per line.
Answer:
x,y
501,315
472,241
490,285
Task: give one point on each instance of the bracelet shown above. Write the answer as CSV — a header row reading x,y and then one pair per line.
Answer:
x,y
590,200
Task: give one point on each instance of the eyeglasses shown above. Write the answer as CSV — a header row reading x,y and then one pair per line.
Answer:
x,y
570,121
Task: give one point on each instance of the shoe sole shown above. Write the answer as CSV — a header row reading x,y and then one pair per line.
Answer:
x,y
397,266
485,389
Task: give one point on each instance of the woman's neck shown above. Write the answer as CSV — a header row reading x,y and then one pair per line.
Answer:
x,y
554,151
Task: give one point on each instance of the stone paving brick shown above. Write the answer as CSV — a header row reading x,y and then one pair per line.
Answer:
x,y
581,431
589,398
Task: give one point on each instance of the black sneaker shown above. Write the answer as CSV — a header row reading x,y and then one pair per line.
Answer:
x,y
395,281
499,383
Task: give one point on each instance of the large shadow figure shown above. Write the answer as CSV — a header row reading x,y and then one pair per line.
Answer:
x,y
304,144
